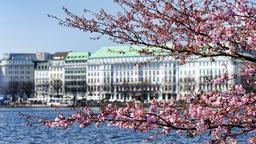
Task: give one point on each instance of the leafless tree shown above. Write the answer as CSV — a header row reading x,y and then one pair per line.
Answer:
x,y
11,89
27,88
56,88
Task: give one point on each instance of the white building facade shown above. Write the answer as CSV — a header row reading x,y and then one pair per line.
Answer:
x,y
114,76
56,74
17,67
197,75
42,78
75,75
118,77
42,81
17,75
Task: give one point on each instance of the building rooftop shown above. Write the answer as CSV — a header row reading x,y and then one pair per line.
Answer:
x,y
43,56
77,56
116,51
19,56
41,65
126,51
60,55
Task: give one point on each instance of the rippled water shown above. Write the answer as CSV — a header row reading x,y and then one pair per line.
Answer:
x,y
14,131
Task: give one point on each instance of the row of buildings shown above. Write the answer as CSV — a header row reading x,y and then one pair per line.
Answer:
x,y
107,75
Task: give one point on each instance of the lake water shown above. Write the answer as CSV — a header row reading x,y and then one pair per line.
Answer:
x,y
13,130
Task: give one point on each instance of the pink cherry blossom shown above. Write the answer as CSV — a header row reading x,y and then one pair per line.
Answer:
x,y
181,28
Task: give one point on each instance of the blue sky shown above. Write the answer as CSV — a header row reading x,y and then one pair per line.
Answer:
x,y
25,27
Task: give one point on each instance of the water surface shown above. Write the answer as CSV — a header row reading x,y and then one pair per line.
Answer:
x,y
13,130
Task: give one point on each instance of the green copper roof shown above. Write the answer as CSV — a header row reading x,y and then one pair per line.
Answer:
x,y
122,51
116,51
77,56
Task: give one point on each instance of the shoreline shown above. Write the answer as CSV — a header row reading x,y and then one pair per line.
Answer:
x,y
24,106
89,104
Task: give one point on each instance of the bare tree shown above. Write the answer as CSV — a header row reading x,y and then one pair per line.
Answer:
x,y
75,88
83,88
27,88
56,88
11,89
